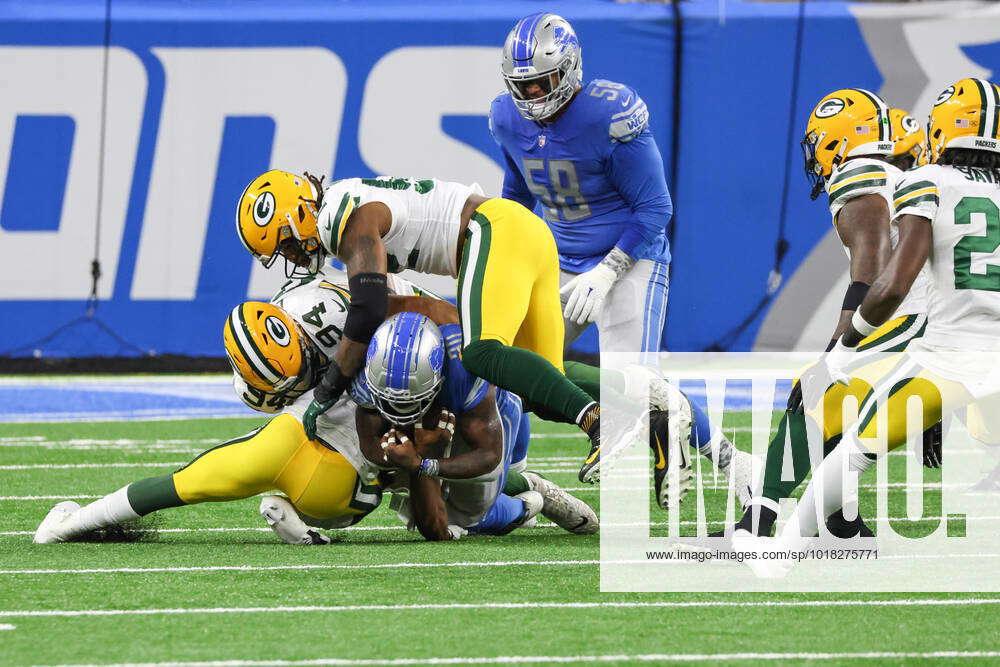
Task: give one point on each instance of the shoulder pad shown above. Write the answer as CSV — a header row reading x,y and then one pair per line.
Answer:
x,y
917,193
627,114
857,177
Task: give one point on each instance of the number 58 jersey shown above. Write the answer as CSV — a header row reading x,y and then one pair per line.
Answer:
x,y
596,171
963,206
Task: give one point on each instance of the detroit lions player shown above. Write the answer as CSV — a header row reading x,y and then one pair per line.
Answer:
x,y
414,377
585,153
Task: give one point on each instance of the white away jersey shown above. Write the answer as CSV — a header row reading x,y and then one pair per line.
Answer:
x,y
865,176
426,219
963,206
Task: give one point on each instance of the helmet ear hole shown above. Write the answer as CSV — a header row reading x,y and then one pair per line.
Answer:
x,y
302,213
830,146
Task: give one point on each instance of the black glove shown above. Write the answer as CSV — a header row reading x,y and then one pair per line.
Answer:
x,y
932,446
327,392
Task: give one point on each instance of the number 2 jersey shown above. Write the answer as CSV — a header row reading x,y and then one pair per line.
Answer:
x,y
426,219
596,171
963,207
864,176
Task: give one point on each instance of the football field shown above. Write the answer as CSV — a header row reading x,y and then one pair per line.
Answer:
x,y
212,584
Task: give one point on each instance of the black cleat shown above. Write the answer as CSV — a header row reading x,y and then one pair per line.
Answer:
x,y
590,473
660,443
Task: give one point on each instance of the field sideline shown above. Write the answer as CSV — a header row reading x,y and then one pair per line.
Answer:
x,y
215,587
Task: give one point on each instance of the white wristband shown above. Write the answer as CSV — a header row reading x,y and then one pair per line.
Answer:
x,y
861,325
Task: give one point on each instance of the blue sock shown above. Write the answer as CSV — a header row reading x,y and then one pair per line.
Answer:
x,y
505,511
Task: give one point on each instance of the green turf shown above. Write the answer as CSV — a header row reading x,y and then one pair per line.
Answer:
x,y
379,634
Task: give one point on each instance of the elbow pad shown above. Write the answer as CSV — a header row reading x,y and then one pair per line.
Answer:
x,y
369,301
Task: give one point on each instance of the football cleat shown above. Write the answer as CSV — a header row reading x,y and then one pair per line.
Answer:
x,y
56,525
281,516
668,438
590,472
743,472
566,511
746,542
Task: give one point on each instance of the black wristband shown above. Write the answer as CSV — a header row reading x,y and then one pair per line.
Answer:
x,y
833,343
369,302
332,384
855,294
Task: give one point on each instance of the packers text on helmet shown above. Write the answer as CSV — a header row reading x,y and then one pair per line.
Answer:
x,y
965,115
847,123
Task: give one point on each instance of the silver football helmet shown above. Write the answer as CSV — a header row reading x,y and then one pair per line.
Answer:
x,y
542,54
404,367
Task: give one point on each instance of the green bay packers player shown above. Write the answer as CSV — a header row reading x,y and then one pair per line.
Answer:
x,y
273,358
503,256
852,138
948,216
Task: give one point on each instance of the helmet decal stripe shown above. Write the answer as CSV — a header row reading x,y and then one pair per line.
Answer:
x,y
882,112
995,96
233,326
988,108
522,47
249,348
401,351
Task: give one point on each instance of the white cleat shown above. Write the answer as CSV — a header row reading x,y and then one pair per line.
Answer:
x,y
55,527
533,503
746,542
566,511
286,523
745,472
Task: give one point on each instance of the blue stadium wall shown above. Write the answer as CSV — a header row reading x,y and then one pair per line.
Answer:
x,y
148,142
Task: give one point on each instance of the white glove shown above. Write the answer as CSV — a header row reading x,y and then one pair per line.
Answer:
x,y
587,293
836,361
457,532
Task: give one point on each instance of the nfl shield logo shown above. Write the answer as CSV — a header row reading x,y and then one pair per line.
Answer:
x,y
541,141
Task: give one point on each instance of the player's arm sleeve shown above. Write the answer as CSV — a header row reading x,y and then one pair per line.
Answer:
x,y
855,179
515,187
915,196
636,169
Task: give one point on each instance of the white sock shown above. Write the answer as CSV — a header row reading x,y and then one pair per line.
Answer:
x,y
110,510
718,449
825,493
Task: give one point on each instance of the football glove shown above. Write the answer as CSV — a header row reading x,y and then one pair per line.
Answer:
x,y
932,446
587,293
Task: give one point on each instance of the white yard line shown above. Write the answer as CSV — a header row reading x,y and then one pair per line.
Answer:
x,y
566,659
910,602
7,626
307,566
71,466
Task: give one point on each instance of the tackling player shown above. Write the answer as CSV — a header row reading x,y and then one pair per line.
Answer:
x,y
852,138
502,254
947,213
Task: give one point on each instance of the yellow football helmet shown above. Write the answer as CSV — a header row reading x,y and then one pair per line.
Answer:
x,y
965,116
267,348
846,123
276,215
908,139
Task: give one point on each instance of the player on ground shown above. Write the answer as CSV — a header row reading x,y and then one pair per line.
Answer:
x,y
948,216
850,140
414,375
502,254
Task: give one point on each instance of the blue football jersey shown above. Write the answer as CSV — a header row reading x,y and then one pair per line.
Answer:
x,y
596,171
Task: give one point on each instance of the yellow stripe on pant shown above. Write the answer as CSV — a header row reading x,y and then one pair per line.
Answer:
x,y
508,285
320,482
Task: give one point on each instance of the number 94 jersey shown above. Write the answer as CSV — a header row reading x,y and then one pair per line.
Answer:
x,y
576,169
963,206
